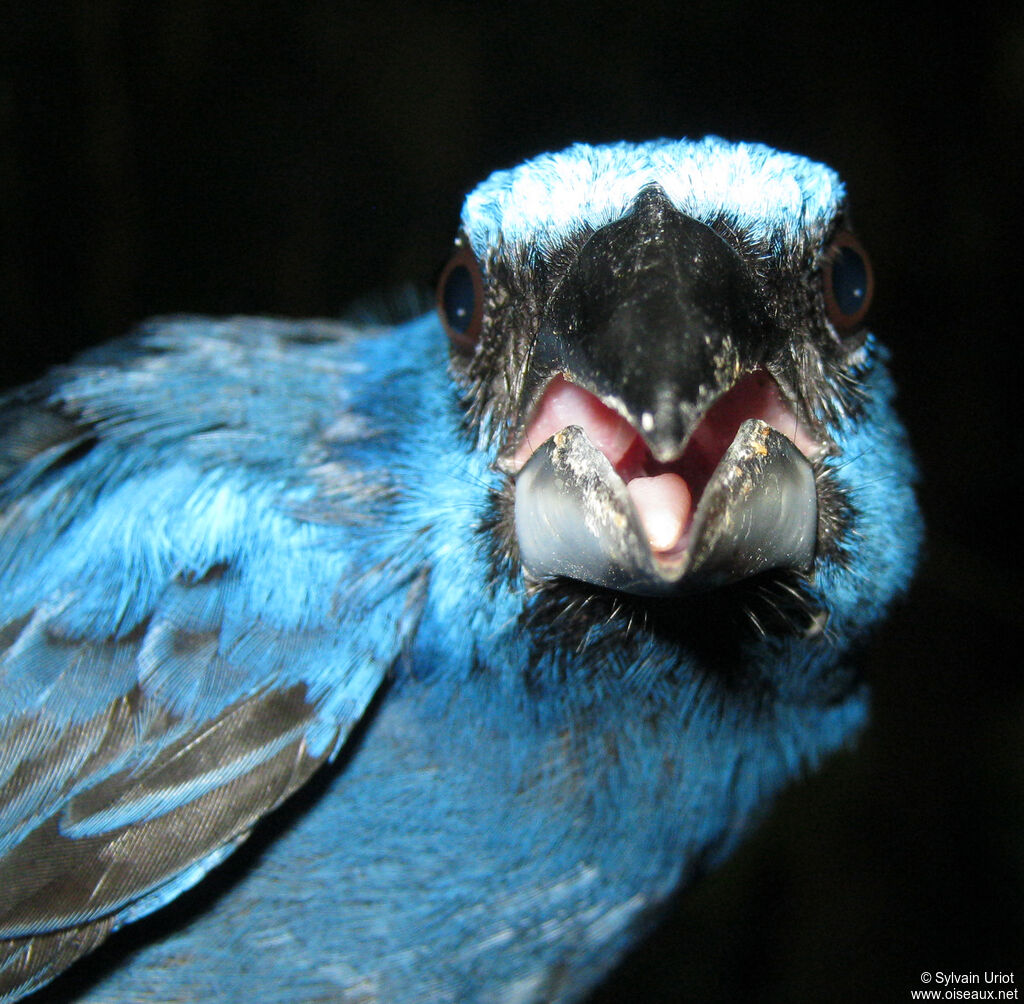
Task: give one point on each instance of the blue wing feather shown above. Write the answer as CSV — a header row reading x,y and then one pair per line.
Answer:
x,y
170,661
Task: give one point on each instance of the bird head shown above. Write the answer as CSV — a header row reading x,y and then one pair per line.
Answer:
x,y
658,342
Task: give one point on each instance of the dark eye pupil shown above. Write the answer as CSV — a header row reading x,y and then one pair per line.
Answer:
x,y
849,280
459,298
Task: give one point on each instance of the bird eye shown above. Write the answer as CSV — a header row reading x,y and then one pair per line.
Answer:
x,y
848,282
460,300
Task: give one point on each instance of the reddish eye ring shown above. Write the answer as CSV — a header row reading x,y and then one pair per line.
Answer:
x,y
460,300
848,282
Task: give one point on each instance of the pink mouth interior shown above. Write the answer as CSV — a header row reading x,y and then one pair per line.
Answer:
x,y
665,495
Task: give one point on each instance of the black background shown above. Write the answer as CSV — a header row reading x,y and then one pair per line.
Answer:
x,y
287,158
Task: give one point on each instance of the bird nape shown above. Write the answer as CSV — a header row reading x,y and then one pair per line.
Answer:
x,y
585,554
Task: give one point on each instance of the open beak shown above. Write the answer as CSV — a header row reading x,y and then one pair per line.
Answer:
x,y
658,453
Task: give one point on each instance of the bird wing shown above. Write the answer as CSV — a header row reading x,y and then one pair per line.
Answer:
x,y
173,595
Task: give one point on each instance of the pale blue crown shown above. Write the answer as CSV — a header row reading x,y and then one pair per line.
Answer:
x,y
769,196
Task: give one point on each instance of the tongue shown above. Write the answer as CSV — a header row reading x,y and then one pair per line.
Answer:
x,y
663,503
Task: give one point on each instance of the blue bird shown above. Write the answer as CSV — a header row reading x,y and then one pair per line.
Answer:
x,y
564,580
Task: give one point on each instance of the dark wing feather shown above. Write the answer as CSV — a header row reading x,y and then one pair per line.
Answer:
x,y
174,654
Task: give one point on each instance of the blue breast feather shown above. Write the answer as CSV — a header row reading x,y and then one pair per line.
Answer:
x,y
222,546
